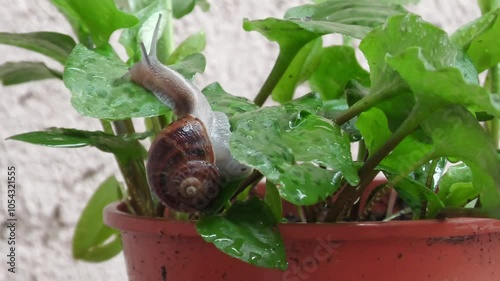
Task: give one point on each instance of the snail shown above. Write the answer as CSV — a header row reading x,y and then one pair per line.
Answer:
x,y
189,160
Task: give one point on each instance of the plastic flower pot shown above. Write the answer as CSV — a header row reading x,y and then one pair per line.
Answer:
x,y
465,249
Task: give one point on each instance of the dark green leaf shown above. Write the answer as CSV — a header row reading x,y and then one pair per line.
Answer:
x,y
93,241
25,71
54,45
338,66
181,8
414,194
222,198
247,232
299,70
456,133
195,43
97,18
143,31
121,146
99,90
293,149
221,101
273,200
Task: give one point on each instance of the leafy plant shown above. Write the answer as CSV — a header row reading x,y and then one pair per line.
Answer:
x,y
420,109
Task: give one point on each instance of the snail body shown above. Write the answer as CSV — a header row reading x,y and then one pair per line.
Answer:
x,y
197,143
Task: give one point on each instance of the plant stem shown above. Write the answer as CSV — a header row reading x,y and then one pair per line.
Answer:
x,y
274,77
134,173
494,125
369,101
367,172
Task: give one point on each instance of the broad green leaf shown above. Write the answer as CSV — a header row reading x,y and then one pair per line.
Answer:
x,y
131,38
465,34
224,102
273,200
122,146
301,153
101,89
181,8
399,33
247,232
414,194
456,188
54,45
98,18
195,43
94,241
25,71
299,70
337,67
456,133
448,84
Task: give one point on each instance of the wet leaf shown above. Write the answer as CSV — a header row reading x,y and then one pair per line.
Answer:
x,y
224,102
247,232
301,153
100,89
94,241
477,39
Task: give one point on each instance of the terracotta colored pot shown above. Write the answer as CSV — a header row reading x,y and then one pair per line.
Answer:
x,y
452,250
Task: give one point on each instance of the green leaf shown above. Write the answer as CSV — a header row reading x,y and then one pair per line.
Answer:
x,y
456,133
301,153
455,187
97,18
400,33
195,43
131,38
122,146
433,85
222,198
299,70
224,102
99,91
338,66
247,232
415,193
373,126
488,5
25,71
190,65
273,200
482,49
94,241
54,45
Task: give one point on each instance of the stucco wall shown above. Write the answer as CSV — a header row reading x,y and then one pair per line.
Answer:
x,y
54,184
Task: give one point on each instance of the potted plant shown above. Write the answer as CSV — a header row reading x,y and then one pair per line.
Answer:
x,y
420,117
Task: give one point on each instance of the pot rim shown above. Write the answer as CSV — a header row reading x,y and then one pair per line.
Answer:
x,y
115,216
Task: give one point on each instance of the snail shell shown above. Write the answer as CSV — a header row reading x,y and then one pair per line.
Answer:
x,y
180,166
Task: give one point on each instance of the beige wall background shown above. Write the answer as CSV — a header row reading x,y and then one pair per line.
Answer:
x,y
53,185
